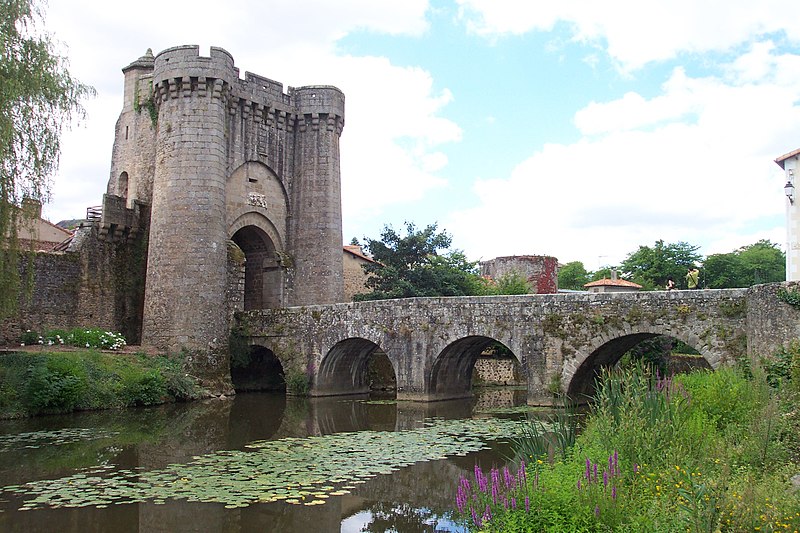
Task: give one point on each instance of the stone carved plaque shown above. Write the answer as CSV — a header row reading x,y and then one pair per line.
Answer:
x,y
257,200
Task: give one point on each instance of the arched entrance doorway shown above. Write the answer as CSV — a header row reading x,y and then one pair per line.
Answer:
x,y
263,275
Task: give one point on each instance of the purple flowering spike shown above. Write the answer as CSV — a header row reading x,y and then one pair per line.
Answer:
x,y
508,479
597,511
487,514
527,504
588,469
476,519
594,471
579,484
613,492
616,463
513,503
605,479
461,499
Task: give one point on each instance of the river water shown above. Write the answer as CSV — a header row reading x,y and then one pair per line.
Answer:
x,y
342,464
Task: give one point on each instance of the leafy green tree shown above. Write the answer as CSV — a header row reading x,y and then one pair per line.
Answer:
x,y
412,266
573,276
600,273
761,262
38,97
651,267
513,282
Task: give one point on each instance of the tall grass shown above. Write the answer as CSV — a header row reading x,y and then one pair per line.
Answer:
x,y
703,452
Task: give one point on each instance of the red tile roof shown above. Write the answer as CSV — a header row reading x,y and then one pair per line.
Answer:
x,y
605,282
784,157
356,251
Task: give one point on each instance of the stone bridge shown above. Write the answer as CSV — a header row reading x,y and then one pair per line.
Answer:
x,y
559,340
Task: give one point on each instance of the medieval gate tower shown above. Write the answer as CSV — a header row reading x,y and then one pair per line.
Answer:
x,y
223,161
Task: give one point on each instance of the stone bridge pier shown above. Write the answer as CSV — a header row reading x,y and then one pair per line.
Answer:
x,y
559,340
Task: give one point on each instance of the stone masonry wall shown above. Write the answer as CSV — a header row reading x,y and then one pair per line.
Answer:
x,y
98,282
354,276
493,371
771,323
53,299
540,271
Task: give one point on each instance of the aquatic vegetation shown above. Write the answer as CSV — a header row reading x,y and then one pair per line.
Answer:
x,y
293,470
59,437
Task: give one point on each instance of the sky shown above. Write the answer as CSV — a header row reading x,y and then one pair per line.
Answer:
x,y
575,129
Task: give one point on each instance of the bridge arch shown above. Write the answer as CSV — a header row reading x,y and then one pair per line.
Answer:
x,y
451,372
607,349
344,368
259,370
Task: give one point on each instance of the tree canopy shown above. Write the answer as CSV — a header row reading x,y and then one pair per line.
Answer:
x,y
413,265
38,98
761,262
651,267
573,276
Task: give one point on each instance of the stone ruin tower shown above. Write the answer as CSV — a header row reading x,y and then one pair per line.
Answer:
x,y
237,173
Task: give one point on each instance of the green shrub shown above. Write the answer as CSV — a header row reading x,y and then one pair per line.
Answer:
x,y
143,388
79,337
784,367
54,385
726,396
44,382
297,383
30,338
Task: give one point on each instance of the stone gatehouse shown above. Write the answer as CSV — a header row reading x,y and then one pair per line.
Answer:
x,y
224,195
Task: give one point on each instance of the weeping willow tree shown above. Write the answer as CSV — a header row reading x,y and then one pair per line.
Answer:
x,y
38,98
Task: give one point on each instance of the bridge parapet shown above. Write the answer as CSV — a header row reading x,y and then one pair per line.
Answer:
x,y
560,340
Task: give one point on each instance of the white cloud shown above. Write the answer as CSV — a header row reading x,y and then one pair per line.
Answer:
x,y
644,172
393,126
635,32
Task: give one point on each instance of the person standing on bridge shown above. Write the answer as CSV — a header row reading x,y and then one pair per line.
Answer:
x,y
693,278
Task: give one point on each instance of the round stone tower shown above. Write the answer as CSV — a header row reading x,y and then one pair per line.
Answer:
x,y
316,237
187,258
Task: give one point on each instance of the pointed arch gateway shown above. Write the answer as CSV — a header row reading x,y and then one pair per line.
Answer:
x,y
263,273
257,208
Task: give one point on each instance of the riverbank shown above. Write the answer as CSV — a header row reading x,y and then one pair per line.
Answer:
x,y
701,452
39,380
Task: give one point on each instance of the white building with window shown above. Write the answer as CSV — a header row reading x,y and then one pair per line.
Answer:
x,y
789,164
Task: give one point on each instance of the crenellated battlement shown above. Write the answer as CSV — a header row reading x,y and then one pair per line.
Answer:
x,y
180,72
